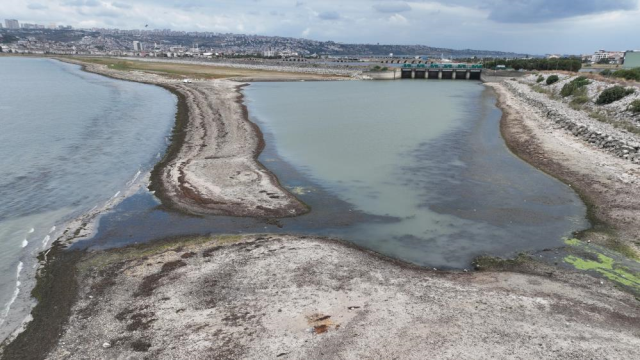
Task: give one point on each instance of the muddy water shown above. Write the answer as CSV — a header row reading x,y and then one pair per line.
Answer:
x,y
412,169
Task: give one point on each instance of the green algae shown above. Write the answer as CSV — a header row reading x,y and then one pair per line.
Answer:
x,y
604,264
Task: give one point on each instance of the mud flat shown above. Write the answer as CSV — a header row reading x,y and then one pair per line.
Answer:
x,y
608,182
257,297
211,166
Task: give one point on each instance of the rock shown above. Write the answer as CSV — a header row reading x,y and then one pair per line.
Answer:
x,y
106,345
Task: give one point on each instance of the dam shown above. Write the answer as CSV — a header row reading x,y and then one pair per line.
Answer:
x,y
430,71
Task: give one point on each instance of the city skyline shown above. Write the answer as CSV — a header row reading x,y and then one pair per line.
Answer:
x,y
533,26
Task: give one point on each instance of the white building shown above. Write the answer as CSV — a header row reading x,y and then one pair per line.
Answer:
x,y
613,56
11,24
137,46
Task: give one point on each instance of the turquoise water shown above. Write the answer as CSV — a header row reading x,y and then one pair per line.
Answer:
x,y
70,141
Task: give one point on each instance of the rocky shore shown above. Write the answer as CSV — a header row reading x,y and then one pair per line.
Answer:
x,y
212,167
597,159
621,143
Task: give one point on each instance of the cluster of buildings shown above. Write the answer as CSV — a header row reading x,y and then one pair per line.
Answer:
x,y
13,24
628,59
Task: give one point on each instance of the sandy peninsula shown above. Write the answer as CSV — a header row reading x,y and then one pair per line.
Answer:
x,y
211,167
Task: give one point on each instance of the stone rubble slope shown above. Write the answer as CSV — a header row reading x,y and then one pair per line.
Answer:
x,y
618,110
602,135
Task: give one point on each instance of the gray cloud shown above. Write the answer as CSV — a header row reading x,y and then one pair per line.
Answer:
x,y
535,11
392,7
80,3
37,7
121,5
329,15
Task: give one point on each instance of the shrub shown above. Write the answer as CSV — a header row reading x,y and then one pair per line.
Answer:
x,y
613,94
540,79
634,107
579,100
552,79
628,74
606,72
570,88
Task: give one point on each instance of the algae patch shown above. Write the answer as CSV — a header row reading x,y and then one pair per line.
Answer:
x,y
602,262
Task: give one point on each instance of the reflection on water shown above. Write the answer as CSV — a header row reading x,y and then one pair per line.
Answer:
x,y
412,169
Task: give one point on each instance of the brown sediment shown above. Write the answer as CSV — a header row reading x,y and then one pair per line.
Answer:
x,y
211,166
613,206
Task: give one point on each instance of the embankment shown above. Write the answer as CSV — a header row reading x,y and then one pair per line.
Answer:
x,y
598,160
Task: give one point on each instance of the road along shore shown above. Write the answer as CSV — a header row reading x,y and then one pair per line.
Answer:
x,y
211,166
535,128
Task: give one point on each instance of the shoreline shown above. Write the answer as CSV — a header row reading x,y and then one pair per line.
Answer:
x,y
591,172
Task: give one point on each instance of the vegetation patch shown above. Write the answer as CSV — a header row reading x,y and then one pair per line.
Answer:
x,y
594,258
540,79
379,69
540,89
552,79
634,107
613,94
575,87
627,74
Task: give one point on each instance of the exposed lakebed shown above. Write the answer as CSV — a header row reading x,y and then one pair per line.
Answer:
x,y
413,169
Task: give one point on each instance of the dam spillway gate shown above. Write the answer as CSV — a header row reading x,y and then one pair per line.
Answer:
x,y
433,71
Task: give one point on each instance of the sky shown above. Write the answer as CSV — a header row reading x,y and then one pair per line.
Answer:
x,y
525,26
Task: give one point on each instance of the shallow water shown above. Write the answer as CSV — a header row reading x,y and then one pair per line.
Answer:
x,y
70,141
428,153
412,169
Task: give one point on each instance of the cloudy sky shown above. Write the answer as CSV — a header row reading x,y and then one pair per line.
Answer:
x,y
530,26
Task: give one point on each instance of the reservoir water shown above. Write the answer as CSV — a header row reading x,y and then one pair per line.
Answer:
x,y
69,141
413,169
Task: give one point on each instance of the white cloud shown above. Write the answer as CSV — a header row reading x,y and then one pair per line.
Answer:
x,y
398,19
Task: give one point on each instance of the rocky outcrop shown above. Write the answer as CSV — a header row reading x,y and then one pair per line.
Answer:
x,y
620,143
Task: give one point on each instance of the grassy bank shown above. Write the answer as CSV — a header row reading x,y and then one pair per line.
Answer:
x,y
181,70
